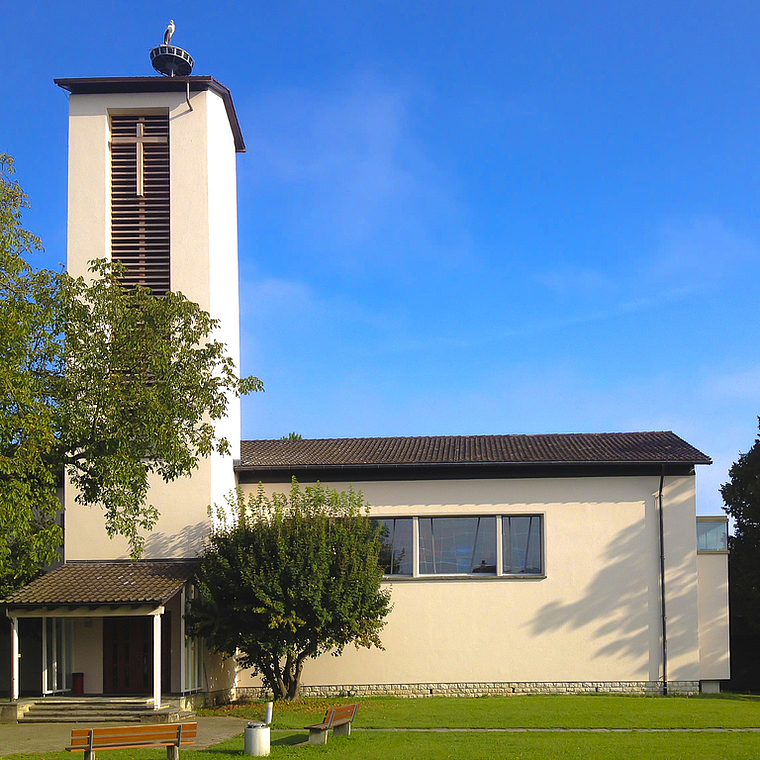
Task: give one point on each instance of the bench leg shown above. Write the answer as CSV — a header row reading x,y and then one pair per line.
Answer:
x,y
317,736
172,753
343,730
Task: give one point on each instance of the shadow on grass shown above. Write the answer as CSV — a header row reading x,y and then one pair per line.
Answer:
x,y
226,748
290,740
730,697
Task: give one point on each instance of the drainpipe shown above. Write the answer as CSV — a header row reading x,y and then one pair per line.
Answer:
x,y
662,589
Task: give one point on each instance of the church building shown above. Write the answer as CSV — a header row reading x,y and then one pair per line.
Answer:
x,y
517,563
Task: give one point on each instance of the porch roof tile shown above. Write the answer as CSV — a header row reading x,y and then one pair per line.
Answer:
x,y
118,582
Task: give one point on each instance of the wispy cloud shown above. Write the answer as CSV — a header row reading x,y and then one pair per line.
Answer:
x,y
687,259
744,385
360,186
701,250
575,280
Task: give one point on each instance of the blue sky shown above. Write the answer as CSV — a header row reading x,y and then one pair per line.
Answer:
x,y
461,218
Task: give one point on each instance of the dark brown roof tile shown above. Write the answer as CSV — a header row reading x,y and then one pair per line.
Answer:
x,y
76,583
562,448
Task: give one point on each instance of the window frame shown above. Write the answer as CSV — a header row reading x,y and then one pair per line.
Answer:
x,y
374,519
711,519
499,548
541,544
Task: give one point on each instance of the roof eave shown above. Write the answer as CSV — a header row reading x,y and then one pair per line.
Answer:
x,y
247,467
453,471
105,85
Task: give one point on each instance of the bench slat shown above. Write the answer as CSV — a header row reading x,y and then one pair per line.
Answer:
x,y
105,741
335,716
125,745
346,712
168,729
326,723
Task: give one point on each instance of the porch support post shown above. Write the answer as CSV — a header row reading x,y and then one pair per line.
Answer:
x,y
14,658
183,640
157,661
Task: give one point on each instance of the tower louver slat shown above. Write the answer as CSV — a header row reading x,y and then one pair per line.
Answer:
x,y
140,206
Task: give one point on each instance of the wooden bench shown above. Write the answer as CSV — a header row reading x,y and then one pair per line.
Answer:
x,y
339,719
169,735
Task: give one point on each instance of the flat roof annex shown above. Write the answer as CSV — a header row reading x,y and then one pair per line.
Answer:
x,y
563,454
106,85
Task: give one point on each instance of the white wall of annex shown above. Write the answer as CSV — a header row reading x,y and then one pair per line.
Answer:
x,y
712,585
88,652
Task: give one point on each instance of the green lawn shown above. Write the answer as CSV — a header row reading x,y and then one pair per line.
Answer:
x,y
395,746
537,711
603,711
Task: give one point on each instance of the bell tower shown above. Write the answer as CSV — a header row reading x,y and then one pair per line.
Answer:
x,y
152,183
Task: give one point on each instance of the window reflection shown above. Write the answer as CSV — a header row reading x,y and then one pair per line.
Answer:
x,y
521,545
712,535
396,549
457,545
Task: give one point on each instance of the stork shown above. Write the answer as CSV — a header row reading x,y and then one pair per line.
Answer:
x,y
169,32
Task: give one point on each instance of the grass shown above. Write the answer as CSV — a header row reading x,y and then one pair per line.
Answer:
x,y
381,746
535,711
603,711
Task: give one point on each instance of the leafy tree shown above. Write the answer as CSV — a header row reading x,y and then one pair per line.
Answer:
x,y
288,578
742,502
104,383
29,502
292,437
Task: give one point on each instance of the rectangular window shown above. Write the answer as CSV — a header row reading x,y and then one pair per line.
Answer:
x,y
457,545
462,545
521,545
396,553
712,535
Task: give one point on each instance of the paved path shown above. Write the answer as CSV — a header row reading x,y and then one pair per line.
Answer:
x,y
53,737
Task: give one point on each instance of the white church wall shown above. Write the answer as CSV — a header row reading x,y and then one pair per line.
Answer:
x,y
593,617
680,531
223,275
204,268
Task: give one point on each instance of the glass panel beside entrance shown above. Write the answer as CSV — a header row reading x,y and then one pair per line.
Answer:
x,y
56,655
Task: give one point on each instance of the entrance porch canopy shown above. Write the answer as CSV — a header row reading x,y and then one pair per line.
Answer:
x,y
100,589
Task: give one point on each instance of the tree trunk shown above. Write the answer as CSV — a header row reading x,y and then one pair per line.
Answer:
x,y
284,681
294,688
273,679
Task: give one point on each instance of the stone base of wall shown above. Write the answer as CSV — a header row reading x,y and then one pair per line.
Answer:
x,y
416,690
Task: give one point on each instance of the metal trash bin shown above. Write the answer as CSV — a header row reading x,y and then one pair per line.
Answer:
x,y
77,683
256,738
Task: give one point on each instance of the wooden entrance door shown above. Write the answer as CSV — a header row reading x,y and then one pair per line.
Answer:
x,y
128,655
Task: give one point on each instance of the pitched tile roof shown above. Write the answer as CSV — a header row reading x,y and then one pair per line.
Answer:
x,y
78,583
564,448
